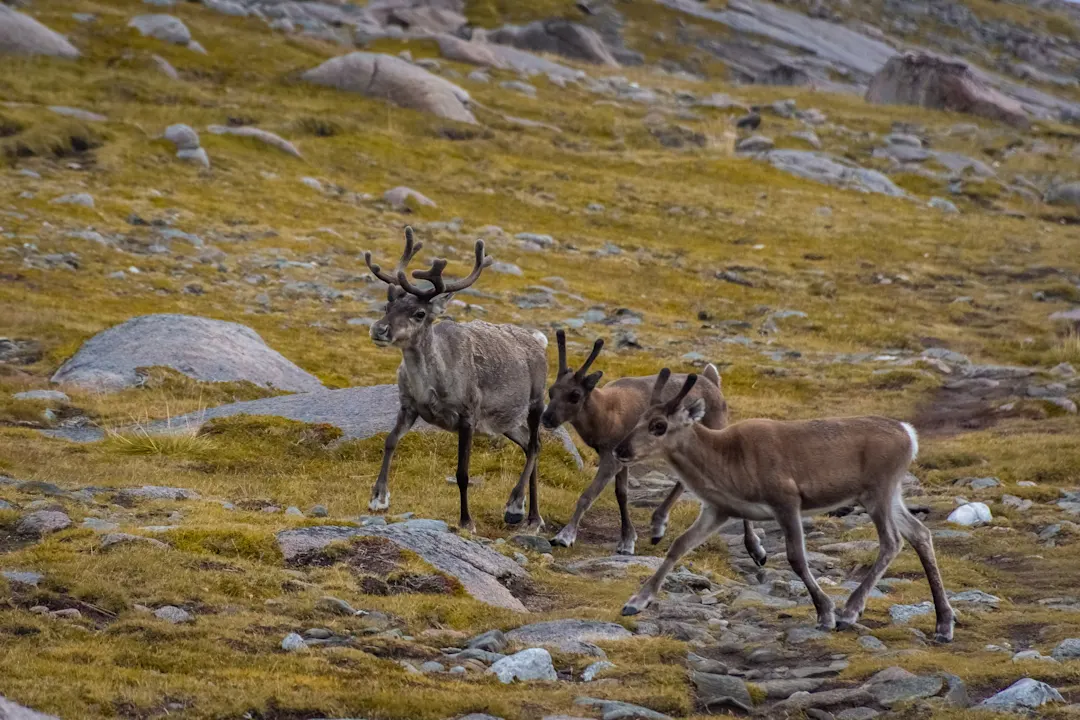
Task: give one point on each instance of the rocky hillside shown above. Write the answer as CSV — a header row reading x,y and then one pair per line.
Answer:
x,y
848,207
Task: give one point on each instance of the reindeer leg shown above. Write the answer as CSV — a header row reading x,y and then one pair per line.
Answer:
x,y
465,433
706,524
532,466
380,495
890,543
514,512
916,533
660,514
753,544
608,467
629,534
791,522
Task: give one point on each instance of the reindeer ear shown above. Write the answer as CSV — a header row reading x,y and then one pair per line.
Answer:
x,y
590,380
696,409
439,303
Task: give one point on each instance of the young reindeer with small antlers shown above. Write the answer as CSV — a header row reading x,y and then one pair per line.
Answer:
x,y
772,470
602,417
462,377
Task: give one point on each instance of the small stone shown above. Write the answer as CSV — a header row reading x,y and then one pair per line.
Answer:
x,y
1024,693
334,606
1017,503
401,197
127,539
182,136
432,667
535,543
67,613
22,577
518,86
1068,649
294,511
871,643
81,199
903,614
944,206
458,670
491,641
975,597
293,643
42,522
979,483
971,514
590,673
755,144
1025,655
174,615
531,664
312,183
319,511
45,395
858,713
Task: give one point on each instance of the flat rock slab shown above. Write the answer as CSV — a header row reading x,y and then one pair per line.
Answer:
x,y
614,566
360,412
201,348
483,573
569,636
615,710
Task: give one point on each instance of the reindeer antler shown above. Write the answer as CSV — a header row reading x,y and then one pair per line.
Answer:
x,y
411,248
439,286
674,403
560,340
596,348
658,387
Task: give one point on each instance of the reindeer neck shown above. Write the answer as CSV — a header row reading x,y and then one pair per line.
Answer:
x,y
599,422
422,356
698,454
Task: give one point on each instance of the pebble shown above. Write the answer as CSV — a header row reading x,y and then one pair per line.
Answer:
x,y
293,643
595,669
174,615
971,514
531,664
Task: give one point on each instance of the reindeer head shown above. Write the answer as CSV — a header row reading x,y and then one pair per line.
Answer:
x,y
410,310
663,422
571,388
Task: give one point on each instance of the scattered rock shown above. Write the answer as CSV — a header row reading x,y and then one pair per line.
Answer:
x,y
155,492
755,144
944,205
589,674
263,136
45,395
481,571
1068,649
895,685
535,543
8,709
569,636
166,28
558,37
971,515
174,615
335,606
531,664
830,170
22,577
491,641
201,348
615,710
78,114
871,643
391,78
293,643
42,522
1025,693
23,35
904,614
81,199
401,197
716,692
126,539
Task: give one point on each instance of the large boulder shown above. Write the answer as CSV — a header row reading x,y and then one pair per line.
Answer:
x,y
558,37
163,27
484,573
23,35
504,57
391,78
929,81
201,348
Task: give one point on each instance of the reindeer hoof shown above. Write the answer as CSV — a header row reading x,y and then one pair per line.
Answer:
x,y
628,610
379,504
513,518
655,539
624,548
760,560
943,638
561,542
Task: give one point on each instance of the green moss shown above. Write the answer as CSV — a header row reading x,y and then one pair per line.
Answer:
x,y
229,543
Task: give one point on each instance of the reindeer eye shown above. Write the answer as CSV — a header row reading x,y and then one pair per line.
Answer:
x,y
575,397
657,427
419,315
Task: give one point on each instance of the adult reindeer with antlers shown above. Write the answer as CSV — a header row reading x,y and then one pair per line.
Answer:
x,y
462,377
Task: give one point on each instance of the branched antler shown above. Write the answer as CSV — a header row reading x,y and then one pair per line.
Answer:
x,y
560,339
411,248
439,285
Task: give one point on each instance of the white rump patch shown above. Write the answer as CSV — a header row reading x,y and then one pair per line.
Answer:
x,y
540,338
914,439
